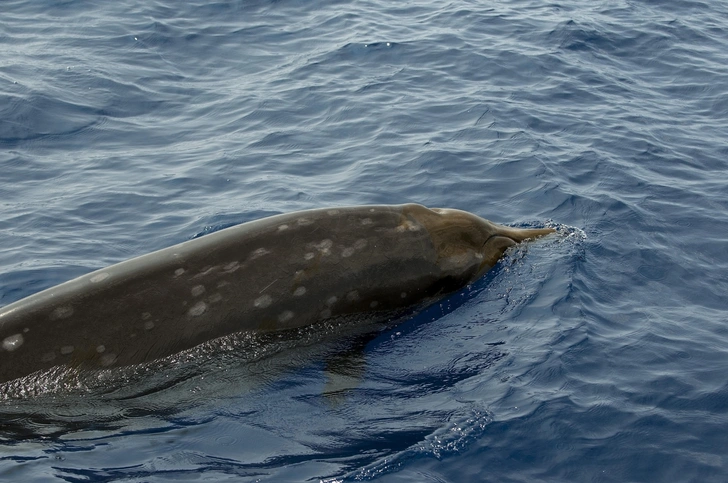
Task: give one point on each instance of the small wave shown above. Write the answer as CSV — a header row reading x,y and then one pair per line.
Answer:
x,y
450,439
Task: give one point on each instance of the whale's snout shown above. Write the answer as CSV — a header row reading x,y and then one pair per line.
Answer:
x,y
504,238
520,234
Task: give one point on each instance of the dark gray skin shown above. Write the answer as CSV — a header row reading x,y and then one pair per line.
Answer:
x,y
277,273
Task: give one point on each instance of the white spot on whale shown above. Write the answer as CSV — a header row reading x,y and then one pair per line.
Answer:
x,y
198,309
325,313
99,277
308,256
323,247
148,325
198,290
48,356
366,221
259,253
101,348
66,349
108,359
352,296
360,243
285,316
13,342
403,295
62,312
179,272
304,221
331,300
333,212
407,226
282,227
299,291
214,298
347,252
374,304
205,271
231,267
146,316
263,301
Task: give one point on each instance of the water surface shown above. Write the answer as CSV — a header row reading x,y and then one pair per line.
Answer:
x,y
598,355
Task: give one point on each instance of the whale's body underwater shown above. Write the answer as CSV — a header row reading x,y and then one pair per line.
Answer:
x,y
276,273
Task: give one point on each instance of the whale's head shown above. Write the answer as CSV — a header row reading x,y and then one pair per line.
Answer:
x,y
467,244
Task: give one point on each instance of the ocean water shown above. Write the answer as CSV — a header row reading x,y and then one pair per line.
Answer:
x,y
599,354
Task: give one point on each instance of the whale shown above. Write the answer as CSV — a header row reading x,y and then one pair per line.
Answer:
x,y
272,274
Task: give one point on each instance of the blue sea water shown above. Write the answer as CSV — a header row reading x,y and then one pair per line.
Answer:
x,y
600,354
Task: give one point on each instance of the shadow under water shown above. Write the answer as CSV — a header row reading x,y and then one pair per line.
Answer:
x,y
63,400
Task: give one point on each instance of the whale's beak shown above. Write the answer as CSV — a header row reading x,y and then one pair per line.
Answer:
x,y
503,238
520,234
